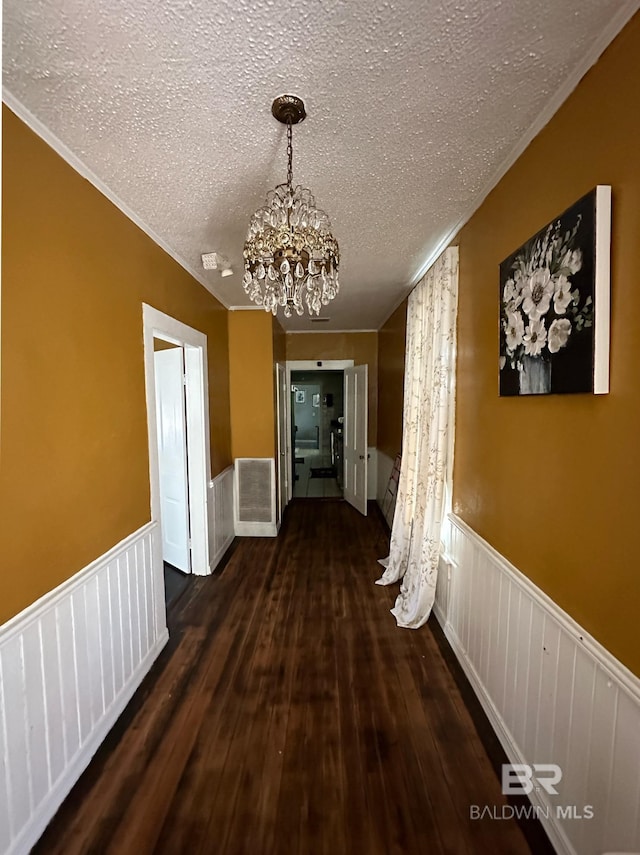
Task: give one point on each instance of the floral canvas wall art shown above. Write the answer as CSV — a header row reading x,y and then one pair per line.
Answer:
x,y
554,304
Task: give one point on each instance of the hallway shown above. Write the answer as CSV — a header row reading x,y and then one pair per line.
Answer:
x,y
289,714
316,476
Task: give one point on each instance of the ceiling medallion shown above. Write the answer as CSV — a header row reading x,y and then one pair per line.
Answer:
x,y
290,256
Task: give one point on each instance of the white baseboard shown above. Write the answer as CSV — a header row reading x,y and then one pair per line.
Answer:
x,y
69,665
552,693
256,529
221,526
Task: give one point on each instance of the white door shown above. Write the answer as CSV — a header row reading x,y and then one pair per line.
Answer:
x,y
283,423
172,457
355,437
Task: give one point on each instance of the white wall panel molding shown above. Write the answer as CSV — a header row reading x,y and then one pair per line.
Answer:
x,y
221,525
551,691
386,499
69,665
385,465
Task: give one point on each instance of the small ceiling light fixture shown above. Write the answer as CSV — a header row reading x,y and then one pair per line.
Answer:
x,y
290,256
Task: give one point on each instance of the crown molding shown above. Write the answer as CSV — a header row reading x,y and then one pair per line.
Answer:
x,y
42,131
327,332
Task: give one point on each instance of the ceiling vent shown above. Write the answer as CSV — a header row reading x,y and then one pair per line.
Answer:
x,y
320,320
255,505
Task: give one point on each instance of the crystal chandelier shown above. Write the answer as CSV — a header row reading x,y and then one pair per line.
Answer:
x,y
290,256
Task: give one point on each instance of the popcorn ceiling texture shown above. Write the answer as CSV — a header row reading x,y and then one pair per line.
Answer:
x,y
412,107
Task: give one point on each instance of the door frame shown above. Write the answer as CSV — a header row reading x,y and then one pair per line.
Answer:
x,y
358,466
282,470
305,365
194,343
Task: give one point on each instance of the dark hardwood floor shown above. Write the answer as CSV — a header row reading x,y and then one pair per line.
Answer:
x,y
289,714
175,583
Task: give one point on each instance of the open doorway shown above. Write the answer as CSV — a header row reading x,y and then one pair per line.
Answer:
x,y
178,428
352,470
317,408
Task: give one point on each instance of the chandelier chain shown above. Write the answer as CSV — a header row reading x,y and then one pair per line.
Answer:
x,y
289,155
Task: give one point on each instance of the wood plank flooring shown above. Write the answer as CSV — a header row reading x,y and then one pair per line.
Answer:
x,y
289,714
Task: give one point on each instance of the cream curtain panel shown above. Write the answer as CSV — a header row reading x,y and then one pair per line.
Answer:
x,y
429,395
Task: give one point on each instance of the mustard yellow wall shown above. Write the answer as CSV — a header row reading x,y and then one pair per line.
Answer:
x,y
391,352
74,476
553,482
252,387
362,347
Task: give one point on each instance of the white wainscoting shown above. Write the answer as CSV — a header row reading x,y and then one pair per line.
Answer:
x,y
221,527
68,666
552,693
385,466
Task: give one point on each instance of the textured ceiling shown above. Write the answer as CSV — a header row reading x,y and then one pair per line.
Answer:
x,y
415,108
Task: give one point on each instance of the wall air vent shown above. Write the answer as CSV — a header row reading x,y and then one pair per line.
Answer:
x,y
255,506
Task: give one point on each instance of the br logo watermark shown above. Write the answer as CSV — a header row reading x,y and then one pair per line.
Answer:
x,y
522,779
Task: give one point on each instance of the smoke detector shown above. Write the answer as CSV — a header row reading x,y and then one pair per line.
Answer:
x,y
215,261
210,260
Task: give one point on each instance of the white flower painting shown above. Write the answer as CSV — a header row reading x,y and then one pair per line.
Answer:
x,y
547,304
